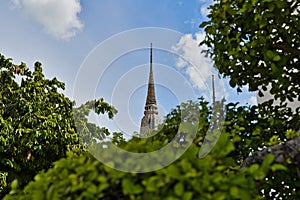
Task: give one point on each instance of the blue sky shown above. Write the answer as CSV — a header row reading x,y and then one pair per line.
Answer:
x,y
64,35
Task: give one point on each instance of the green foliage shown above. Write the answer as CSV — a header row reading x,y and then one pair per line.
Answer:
x,y
253,42
256,43
90,133
36,123
216,176
258,126
188,178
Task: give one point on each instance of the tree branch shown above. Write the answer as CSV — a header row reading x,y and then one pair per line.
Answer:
x,y
289,149
287,48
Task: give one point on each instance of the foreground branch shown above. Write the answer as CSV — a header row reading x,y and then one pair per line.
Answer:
x,y
283,151
287,48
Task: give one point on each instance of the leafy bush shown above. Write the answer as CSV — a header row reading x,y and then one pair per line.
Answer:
x,y
216,176
37,124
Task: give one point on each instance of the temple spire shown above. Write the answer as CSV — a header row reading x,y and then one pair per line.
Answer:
x,y
150,120
151,90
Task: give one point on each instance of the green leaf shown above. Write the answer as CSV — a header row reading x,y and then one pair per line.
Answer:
x,y
268,159
260,94
232,82
276,58
270,54
203,24
172,171
234,192
153,183
187,195
130,188
253,168
276,167
239,90
14,184
179,189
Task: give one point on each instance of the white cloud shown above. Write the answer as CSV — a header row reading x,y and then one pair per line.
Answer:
x,y
196,66
204,11
59,18
252,100
204,8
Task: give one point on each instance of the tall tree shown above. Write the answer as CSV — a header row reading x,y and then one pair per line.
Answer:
x,y
256,43
37,125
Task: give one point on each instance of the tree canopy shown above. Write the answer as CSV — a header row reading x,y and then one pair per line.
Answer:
x,y
37,124
256,43
218,175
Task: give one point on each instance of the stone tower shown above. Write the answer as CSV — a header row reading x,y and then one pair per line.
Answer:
x,y
150,119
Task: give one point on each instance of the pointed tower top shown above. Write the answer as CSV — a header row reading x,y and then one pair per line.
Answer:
x,y
151,90
150,120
